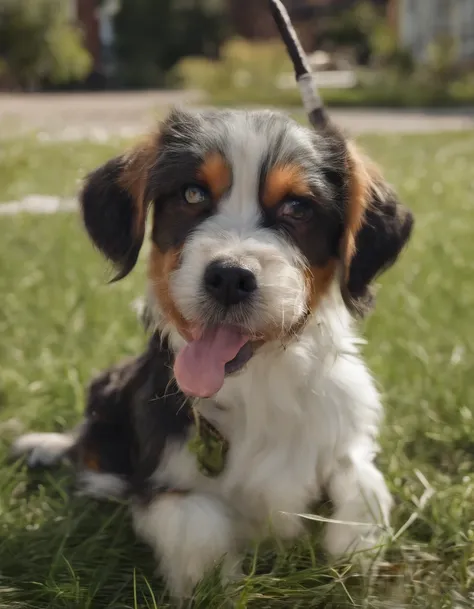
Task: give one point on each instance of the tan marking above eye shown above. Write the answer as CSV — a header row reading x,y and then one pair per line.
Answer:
x,y
215,174
283,181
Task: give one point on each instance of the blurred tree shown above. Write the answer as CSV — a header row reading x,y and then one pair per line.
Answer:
x,y
250,18
39,43
352,28
386,51
152,35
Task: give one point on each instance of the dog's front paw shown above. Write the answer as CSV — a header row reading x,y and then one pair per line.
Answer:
x,y
342,539
362,544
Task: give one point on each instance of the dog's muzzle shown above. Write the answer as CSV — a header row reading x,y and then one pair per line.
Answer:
x,y
223,347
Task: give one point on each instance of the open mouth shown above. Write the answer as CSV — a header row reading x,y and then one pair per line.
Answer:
x,y
202,364
239,361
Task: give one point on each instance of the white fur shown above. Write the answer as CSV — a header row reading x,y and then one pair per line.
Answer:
x,y
47,449
276,264
299,420
190,534
101,485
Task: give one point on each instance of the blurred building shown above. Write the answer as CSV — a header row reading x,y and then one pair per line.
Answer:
x,y
420,23
96,22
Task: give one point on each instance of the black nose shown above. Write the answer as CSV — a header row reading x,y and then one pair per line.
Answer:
x,y
229,284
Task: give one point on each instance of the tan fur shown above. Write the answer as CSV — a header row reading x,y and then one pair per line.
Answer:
x,y
160,266
91,462
359,196
281,181
318,281
137,164
215,174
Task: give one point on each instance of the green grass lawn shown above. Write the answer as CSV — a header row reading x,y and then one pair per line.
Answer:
x,y
60,322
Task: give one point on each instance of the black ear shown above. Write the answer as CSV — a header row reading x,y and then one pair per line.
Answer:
x,y
385,229
114,207
377,227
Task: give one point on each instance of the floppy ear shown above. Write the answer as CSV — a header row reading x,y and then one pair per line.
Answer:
x,y
114,205
377,228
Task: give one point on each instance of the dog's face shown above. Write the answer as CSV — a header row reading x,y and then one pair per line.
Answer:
x,y
253,218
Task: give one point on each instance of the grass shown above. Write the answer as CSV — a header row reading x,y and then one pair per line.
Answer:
x,y
60,323
28,166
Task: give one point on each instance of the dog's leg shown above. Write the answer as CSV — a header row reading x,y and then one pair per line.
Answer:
x,y
362,503
43,449
190,534
101,485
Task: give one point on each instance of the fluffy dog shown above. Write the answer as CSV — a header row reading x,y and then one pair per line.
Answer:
x,y
265,238
251,400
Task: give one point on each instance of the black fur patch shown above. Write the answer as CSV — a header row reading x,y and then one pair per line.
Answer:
x,y
109,212
132,410
386,230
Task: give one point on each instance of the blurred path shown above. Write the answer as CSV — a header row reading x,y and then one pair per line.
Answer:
x,y
102,115
86,115
403,121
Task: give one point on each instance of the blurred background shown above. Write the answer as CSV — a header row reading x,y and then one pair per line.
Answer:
x,y
371,52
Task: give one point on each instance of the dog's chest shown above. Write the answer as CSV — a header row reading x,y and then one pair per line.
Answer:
x,y
270,418
268,474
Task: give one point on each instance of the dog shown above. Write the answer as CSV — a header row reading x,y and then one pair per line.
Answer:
x,y
251,401
266,237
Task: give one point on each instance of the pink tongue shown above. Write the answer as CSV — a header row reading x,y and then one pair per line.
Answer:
x,y
199,368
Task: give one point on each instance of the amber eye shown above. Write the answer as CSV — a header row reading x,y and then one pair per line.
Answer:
x,y
296,209
195,195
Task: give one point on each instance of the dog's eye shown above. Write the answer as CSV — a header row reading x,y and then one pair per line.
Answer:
x,y
195,195
295,209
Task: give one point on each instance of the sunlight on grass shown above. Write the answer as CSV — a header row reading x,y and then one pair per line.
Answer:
x,y
60,323
28,166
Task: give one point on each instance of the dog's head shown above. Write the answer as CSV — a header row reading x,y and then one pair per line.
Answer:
x,y
254,217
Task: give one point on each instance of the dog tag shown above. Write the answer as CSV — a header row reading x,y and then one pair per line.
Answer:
x,y
209,447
